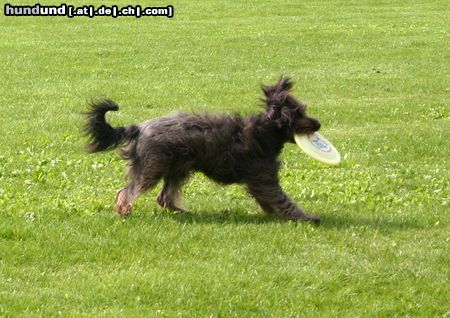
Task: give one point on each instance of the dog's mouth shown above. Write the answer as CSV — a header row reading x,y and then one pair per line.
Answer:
x,y
307,129
308,126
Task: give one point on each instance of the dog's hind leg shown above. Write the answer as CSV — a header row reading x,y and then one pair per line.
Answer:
x,y
170,196
124,200
272,198
126,196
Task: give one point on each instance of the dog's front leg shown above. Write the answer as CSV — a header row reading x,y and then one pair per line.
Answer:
x,y
272,198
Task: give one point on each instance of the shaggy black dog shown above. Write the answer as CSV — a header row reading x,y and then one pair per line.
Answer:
x,y
228,149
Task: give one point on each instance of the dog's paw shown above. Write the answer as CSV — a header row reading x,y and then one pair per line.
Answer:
x,y
177,209
310,218
172,204
314,219
123,208
180,211
304,217
124,211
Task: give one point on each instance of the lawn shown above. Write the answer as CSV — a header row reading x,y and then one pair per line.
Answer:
x,y
376,74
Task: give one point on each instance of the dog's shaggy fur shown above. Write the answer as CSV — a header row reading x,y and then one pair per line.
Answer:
x,y
228,149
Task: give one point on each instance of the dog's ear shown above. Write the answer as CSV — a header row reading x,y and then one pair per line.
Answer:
x,y
276,94
268,90
285,84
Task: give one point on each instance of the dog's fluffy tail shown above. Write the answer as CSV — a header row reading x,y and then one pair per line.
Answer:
x,y
102,136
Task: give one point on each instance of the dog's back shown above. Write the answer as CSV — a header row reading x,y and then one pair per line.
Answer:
x,y
206,143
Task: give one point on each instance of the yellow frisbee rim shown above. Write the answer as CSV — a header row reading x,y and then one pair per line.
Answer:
x,y
318,147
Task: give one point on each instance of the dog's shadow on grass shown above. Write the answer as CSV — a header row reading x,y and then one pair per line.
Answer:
x,y
222,217
327,221
371,223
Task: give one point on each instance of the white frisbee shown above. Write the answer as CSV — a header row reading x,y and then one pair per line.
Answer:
x,y
318,147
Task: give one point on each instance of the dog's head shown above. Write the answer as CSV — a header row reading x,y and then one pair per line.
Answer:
x,y
286,112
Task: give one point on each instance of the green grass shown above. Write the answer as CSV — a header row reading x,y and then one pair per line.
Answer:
x,y
375,73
